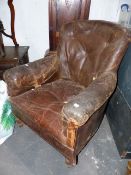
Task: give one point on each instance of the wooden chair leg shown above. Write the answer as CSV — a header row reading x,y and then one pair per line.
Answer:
x,y
19,122
129,168
72,161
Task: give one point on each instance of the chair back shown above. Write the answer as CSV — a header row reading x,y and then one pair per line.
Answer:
x,y
2,48
89,48
12,24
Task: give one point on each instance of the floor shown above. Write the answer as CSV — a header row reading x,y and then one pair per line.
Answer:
x,y
25,153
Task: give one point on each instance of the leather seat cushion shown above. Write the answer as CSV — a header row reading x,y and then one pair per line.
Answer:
x,y
43,105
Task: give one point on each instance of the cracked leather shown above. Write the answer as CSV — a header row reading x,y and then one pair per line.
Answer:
x,y
79,108
76,83
24,77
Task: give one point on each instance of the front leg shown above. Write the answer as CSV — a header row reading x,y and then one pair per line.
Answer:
x,y
72,161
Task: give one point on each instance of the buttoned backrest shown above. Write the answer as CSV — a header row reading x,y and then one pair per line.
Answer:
x,y
89,48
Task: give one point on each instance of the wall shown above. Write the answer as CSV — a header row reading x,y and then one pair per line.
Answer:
x,y
104,9
32,21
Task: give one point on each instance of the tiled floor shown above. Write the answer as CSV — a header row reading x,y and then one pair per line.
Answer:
x,y
25,153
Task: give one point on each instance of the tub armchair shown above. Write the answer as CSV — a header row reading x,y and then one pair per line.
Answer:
x,y
63,96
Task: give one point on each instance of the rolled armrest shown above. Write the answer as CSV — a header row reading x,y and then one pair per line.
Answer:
x,y
80,108
22,78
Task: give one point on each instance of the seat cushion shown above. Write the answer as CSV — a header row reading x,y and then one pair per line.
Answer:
x,y
42,106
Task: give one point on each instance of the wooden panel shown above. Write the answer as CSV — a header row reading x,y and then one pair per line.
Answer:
x,y
63,11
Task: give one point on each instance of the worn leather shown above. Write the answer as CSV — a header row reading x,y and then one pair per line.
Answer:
x,y
27,76
97,47
81,107
44,104
76,84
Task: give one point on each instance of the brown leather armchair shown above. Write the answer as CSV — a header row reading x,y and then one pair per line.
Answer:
x,y
63,96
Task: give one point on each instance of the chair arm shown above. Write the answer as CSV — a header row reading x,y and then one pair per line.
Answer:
x,y
80,108
22,78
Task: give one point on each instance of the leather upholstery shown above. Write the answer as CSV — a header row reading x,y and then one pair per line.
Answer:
x,y
81,107
97,48
27,76
44,104
76,83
